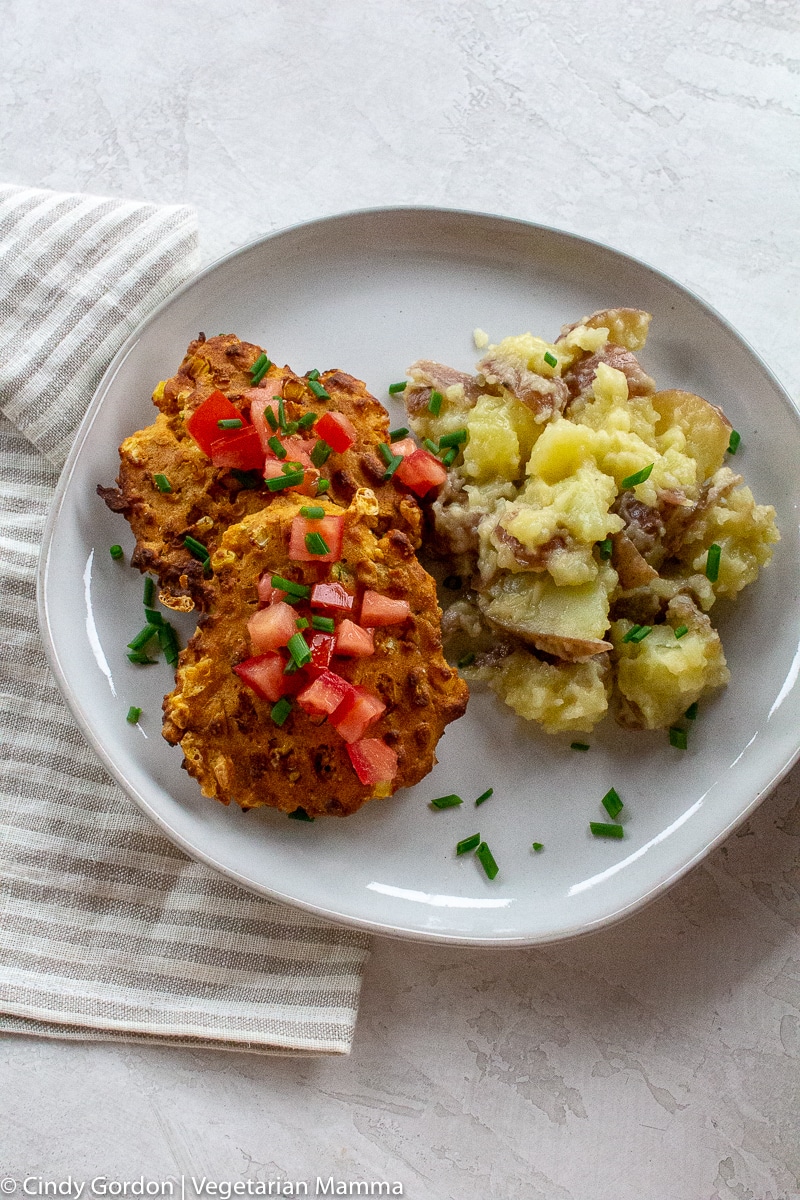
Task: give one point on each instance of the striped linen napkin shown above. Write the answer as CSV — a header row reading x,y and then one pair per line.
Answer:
x,y
107,931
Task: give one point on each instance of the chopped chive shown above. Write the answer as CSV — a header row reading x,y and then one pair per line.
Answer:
x,y
602,829
712,562
153,617
277,447
386,453
307,420
298,648
318,390
486,859
143,637
550,359
230,423
451,456
735,442
272,420
259,369
299,814
149,591
485,795
324,624
677,738
280,711
578,746
605,548
451,801
292,427
392,467
638,633
691,712
431,446
290,668
470,843
286,481
251,480
537,846
322,486
162,483
394,388
115,551
681,631
281,415
168,641
395,435
453,583
638,477
138,656
312,374
320,453
453,439
301,623
133,714
196,549
612,803
435,403
316,544
289,466
466,660
300,590
314,512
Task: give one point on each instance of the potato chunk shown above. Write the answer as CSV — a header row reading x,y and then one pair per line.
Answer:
x,y
562,697
705,428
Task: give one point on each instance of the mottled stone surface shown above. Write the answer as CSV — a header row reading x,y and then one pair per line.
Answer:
x,y
658,1060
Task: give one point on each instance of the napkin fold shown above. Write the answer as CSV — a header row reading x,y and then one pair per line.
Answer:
x,y
107,931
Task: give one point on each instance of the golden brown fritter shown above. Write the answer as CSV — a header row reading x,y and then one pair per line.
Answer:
x,y
205,499
229,740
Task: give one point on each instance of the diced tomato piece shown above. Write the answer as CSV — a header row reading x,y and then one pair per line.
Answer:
x,y
420,472
271,627
321,646
353,641
325,694
404,448
356,713
298,449
264,674
331,529
266,592
202,424
331,595
273,470
373,761
261,400
382,610
337,430
240,449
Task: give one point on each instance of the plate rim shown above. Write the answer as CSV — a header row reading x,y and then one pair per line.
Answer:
x,y
379,928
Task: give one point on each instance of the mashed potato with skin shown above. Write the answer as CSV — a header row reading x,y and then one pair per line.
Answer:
x,y
597,522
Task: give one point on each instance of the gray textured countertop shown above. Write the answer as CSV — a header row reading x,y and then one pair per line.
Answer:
x,y
654,1061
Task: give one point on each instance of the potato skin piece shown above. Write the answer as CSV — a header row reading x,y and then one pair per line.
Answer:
x,y
230,743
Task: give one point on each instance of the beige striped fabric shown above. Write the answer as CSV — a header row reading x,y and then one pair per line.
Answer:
x,y
107,931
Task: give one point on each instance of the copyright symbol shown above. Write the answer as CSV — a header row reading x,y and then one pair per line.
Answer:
x,y
8,1185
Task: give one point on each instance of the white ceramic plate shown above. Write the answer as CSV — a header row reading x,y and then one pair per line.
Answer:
x,y
370,292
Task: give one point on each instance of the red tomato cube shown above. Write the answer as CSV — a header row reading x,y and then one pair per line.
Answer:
x,y
404,448
353,641
262,399
202,424
420,472
321,646
266,592
331,529
274,470
382,610
356,712
325,694
373,761
264,674
331,595
271,627
337,430
240,449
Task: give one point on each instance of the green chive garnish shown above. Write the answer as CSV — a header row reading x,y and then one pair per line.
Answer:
x,y
301,623
149,591
394,388
289,586
322,486
298,648
486,859
735,442
291,668
313,511
466,660
324,624
316,544
691,712
452,583
230,423
485,795
133,714
451,456
196,549
281,415
431,446
578,746
292,427
605,548
320,453
286,481
681,631
435,403
550,359
470,843
299,814
115,551
306,420
280,711
312,374
537,846
451,801
272,420
392,467
677,738
259,369
395,435
277,447
138,656
318,390
386,453
712,562
637,477
601,829
453,439
612,803
154,617
289,466
162,483
168,641
638,633
251,480
143,637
